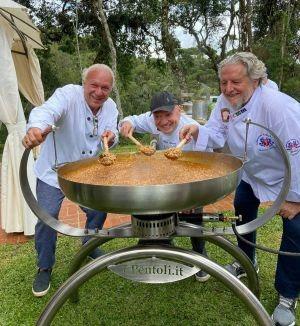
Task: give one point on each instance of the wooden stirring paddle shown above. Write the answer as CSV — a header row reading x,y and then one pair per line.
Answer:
x,y
174,153
147,150
106,158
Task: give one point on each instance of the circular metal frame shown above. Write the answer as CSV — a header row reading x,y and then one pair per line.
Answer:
x,y
176,254
182,229
219,241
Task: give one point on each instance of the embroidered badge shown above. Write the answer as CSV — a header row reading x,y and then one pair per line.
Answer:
x,y
225,115
239,112
265,142
293,146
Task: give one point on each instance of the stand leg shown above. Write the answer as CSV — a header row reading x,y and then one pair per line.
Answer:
x,y
80,258
84,252
176,254
241,257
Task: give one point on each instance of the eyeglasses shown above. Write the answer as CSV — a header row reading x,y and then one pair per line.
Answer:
x,y
95,126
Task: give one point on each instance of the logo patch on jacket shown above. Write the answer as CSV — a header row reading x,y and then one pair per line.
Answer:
x,y
293,146
225,115
265,142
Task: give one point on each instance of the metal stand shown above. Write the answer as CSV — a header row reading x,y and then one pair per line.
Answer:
x,y
160,230
219,241
180,256
177,263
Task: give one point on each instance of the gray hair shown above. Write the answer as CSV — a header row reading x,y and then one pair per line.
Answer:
x,y
97,66
256,69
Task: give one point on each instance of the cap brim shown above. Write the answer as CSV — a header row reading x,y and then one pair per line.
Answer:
x,y
164,108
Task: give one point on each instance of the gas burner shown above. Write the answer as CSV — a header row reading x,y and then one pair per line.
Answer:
x,y
154,226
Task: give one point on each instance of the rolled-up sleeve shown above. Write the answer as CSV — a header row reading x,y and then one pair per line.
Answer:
x,y
288,130
111,125
51,111
213,134
142,123
202,141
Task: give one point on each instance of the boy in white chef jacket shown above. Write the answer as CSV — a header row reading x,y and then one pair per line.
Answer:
x,y
164,122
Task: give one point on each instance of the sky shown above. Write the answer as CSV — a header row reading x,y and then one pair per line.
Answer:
x,y
186,40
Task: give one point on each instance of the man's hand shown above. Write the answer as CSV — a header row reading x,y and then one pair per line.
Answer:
x,y
126,129
289,209
110,137
189,131
35,136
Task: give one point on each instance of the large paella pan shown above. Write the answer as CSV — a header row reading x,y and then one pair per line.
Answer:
x,y
141,185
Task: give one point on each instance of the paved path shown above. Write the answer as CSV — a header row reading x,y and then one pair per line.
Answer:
x,y
72,215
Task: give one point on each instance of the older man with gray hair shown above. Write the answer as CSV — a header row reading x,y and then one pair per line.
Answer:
x,y
245,96
83,115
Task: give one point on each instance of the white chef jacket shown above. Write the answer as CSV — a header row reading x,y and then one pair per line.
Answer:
x,y
144,123
265,169
78,134
271,84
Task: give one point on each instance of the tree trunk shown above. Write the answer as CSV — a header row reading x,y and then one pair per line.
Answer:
x,y
242,15
169,43
285,26
248,24
113,55
245,12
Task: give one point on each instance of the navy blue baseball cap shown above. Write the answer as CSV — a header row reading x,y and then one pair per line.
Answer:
x,y
163,101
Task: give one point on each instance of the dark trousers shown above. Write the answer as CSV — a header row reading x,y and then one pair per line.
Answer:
x,y
50,199
198,244
246,204
287,279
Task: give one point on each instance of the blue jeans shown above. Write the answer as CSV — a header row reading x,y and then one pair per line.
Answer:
x,y
50,199
287,278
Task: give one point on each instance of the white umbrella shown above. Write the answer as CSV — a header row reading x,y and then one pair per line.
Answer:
x,y
24,30
24,37
19,71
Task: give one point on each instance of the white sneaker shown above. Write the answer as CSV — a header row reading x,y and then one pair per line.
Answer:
x,y
237,270
284,313
202,276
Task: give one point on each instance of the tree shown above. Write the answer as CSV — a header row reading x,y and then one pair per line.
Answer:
x,y
103,20
169,43
211,23
276,41
245,13
141,29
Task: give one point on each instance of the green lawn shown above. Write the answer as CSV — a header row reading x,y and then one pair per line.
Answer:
x,y
108,299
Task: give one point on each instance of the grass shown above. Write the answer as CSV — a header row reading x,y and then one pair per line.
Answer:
x,y
108,299
125,148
